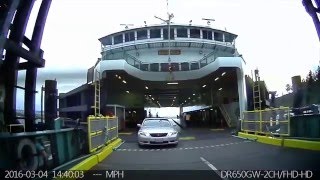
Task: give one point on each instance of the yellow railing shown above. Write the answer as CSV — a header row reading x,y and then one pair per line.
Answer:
x,y
268,121
101,131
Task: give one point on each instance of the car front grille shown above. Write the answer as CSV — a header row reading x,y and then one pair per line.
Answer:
x,y
164,142
158,134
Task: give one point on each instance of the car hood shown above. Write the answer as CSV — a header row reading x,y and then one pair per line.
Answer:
x,y
157,129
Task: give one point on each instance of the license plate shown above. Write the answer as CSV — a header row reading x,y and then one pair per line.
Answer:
x,y
158,140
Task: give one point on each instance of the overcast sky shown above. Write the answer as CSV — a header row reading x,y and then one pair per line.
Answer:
x,y
277,36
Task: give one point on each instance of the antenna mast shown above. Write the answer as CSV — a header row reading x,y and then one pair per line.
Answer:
x,y
126,26
170,16
208,20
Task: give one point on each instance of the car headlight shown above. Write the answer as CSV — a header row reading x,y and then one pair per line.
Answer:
x,y
173,133
142,133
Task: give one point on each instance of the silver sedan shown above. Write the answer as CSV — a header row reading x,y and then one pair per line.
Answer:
x,y
157,131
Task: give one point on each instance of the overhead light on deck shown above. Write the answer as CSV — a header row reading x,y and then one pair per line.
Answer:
x,y
204,85
116,75
171,83
127,91
216,79
185,100
173,100
220,89
149,95
124,81
152,98
193,94
119,77
223,73
174,97
189,98
147,87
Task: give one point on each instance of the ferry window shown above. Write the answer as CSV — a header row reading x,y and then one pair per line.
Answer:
x,y
118,39
108,41
194,65
165,33
155,33
218,36
142,34
185,66
175,66
136,64
154,67
144,67
203,62
129,36
194,33
182,32
228,38
207,34
165,67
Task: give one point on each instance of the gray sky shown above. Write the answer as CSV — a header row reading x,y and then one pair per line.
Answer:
x,y
277,36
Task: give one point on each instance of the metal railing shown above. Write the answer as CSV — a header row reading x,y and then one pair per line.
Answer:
x,y
149,42
144,66
101,131
225,115
269,121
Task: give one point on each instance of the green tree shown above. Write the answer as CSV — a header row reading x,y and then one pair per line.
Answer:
x,y
310,78
288,88
317,74
309,83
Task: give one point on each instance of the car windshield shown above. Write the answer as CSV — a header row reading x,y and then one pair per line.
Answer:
x,y
156,123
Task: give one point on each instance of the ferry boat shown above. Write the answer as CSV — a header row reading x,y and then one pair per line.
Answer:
x,y
163,65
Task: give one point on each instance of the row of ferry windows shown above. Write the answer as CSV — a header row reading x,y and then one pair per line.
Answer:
x,y
181,33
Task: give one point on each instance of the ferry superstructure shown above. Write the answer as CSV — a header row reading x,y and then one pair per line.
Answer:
x,y
137,71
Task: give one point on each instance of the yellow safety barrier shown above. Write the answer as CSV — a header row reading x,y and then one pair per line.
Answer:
x,y
95,158
268,121
284,142
101,131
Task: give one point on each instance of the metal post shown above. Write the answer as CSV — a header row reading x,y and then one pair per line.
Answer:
x,y
169,60
10,64
124,118
312,11
117,129
42,89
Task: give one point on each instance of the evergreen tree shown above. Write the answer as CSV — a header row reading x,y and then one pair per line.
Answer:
x,y
309,82
317,75
288,88
310,78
